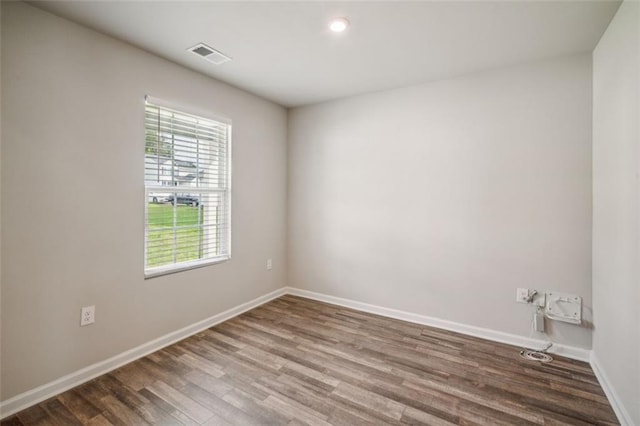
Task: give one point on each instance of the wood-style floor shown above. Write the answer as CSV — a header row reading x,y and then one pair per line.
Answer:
x,y
295,361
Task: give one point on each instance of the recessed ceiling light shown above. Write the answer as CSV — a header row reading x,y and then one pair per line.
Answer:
x,y
338,25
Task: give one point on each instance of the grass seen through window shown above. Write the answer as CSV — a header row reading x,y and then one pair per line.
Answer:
x,y
167,244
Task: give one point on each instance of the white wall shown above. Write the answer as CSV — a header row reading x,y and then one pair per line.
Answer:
x,y
73,198
441,199
616,207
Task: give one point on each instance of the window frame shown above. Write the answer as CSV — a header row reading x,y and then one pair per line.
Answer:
x,y
224,234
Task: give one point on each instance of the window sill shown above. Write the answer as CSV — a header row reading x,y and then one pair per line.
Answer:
x,y
184,266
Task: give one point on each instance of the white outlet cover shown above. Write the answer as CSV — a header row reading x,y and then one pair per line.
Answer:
x,y
522,294
88,315
269,264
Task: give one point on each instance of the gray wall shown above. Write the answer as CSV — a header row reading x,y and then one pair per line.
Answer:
x,y
73,198
442,199
616,205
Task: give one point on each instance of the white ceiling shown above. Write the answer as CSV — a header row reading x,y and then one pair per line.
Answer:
x,y
284,51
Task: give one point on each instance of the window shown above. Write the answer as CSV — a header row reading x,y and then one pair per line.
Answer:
x,y
187,190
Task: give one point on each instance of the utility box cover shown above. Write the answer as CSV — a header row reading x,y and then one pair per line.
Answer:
x,y
563,307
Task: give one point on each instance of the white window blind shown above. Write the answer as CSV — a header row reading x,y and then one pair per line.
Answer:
x,y
187,190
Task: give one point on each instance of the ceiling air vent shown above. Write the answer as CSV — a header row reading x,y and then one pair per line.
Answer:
x,y
209,53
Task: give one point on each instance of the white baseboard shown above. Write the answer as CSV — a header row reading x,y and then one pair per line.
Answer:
x,y
484,333
34,396
623,415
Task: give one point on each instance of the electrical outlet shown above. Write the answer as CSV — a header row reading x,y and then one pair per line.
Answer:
x,y
522,295
269,264
88,315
